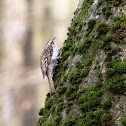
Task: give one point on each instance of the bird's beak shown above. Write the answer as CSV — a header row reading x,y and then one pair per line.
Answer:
x,y
53,39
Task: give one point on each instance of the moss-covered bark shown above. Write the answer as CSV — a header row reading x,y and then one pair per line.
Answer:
x,y
90,78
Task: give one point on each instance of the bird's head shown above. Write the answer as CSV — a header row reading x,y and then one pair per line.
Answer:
x,y
52,42
53,39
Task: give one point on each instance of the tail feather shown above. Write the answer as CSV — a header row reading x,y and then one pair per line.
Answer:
x,y
51,84
43,73
43,68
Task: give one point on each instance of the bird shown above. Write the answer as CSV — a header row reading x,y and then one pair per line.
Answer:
x,y
48,60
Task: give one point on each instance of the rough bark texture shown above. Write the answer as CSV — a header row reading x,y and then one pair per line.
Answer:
x,y
90,78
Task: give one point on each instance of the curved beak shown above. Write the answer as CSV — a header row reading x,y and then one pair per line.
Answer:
x,y
53,39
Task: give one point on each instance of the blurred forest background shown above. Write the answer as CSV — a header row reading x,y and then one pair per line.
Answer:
x,y
25,27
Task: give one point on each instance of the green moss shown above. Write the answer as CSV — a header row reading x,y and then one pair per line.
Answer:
x,y
65,55
118,36
108,59
69,103
100,2
90,100
57,119
62,90
57,75
50,123
71,92
84,72
103,28
60,83
91,1
106,118
60,100
61,67
79,65
53,108
48,104
117,18
92,51
60,107
98,67
70,122
91,23
119,26
67,44
113,51
74,49
85,45
81,91
99,13
107,102
108,39
41,111
124,120
95,118
99,74
97,61
117,59
117,2
82,14
65,77
109,64
117,85
92,88
72,30
75,77
65,65
41,120
88,40
99,84
120,67
82,47
88,63
106,10
110,72
107,47
124,41
78,37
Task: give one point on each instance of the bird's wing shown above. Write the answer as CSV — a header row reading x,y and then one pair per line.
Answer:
x,y
44,69
46,58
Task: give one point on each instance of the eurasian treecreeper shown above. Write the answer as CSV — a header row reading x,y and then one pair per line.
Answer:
x,y
48,61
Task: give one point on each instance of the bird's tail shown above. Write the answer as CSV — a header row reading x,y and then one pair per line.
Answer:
x,y
51,84
43,73
43,68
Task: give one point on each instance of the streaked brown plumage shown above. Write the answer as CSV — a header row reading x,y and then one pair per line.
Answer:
x,y
48,60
